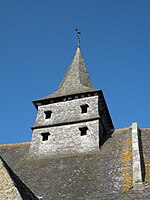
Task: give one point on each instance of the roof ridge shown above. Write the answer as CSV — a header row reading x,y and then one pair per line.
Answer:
x,y
15,144
83,72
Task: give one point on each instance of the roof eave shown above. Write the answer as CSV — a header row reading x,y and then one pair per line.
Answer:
x,y
59,98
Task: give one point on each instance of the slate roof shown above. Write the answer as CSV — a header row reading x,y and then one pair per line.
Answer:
x,y
75,81
105,174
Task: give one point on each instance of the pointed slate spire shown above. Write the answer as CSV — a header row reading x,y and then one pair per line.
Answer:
x,y
76,80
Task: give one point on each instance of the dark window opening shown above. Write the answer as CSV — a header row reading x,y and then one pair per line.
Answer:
x,y
84,108
48,114
83,131
45,136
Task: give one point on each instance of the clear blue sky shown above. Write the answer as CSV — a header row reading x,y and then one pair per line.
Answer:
x,y
38,42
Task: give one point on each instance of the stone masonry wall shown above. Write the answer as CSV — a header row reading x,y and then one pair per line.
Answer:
x,y
66,139
67,111
63,128
7,188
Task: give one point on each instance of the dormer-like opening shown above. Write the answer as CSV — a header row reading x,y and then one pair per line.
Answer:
x,y
48,114
83,130
84,108
45,136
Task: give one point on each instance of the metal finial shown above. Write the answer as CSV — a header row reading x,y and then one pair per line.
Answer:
x,y
78,35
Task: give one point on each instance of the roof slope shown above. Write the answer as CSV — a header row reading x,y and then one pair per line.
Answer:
x,y
11,187
76,79
105,174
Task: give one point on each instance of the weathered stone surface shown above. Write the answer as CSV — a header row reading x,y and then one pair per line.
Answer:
x,y
68,111
11,187
66,139
145,135
64,128
8,189
137,171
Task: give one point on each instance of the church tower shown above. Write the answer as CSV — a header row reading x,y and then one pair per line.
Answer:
x,y
74,118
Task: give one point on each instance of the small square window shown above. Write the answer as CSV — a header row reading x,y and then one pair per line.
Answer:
x,y
45,136
83,130
84,108
48,114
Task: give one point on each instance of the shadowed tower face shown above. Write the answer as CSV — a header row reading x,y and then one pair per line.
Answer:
x,y
74,118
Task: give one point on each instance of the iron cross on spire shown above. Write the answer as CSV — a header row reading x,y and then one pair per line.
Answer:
x,y
78,35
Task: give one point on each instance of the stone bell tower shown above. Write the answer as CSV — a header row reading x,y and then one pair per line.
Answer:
x,y
74,118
